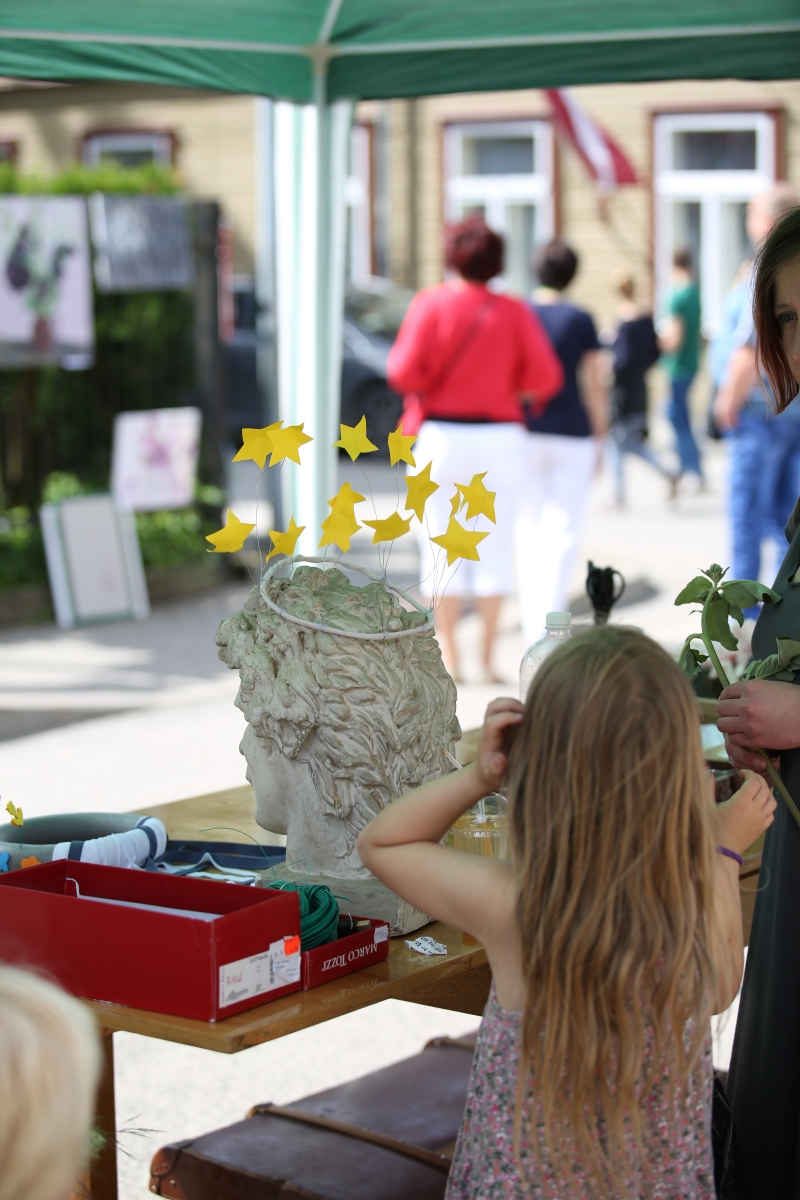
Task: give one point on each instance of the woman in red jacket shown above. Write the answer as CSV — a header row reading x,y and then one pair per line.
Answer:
x,y
466,359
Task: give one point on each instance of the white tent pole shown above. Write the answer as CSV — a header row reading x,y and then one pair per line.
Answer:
x,y
311,146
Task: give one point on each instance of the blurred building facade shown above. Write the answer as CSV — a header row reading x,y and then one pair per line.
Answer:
x,y
700,150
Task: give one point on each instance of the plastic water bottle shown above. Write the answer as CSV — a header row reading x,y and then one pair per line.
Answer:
x,y
559,629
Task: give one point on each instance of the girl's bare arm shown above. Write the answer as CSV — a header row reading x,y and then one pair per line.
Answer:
x,y
739,822
402,845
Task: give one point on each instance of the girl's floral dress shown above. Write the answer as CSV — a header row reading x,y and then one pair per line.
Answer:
x,y
678,1161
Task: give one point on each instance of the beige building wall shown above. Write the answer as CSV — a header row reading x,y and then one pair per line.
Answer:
x,y
214,134
624,237
215,158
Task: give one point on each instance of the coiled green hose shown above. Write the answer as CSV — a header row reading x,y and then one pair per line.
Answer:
x,y
319,913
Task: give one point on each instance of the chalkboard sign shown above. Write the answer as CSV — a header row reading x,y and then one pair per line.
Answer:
x,y
141,243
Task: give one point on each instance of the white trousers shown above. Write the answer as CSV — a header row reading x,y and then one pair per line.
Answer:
x,y
549,525
457,452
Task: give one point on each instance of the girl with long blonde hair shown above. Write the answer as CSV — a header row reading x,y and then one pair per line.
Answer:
x,y
613,934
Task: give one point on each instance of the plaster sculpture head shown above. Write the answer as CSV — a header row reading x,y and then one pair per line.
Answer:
x,y
337,727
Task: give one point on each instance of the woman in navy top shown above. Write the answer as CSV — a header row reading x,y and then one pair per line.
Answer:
x,y
563,446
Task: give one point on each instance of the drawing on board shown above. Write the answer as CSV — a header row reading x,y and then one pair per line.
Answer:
x,y
45,282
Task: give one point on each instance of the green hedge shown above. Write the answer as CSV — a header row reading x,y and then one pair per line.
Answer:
x,y
150,179
21,549
169,538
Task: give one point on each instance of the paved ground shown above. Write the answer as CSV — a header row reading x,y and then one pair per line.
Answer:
x,y
117,716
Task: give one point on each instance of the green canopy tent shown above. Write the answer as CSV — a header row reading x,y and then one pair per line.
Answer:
x,y
324,54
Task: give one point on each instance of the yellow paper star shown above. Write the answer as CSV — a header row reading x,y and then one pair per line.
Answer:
x,y
353,439
256,444
337,529
479,499
420,487
456,502
345,501
231,538
459,542
286,443
400,448
284,543
16,814
389,529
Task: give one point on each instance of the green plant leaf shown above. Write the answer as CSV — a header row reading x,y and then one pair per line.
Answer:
x,y
746,592
780,666
717,627
788,653
715,572
691,660
736,613
695,591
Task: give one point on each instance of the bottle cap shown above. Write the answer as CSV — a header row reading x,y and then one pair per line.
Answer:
x,y
558,620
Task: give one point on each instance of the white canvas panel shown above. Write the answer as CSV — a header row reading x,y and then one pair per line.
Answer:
x,y
95,558
154,458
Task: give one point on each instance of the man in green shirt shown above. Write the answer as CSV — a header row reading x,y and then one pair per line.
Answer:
x,y
680,343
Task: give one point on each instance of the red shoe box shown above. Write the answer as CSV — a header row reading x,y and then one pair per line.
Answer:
x,y
346,954
180,963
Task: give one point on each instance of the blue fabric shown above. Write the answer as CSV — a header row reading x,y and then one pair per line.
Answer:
x,y
678,413
764,485
572,333
724,344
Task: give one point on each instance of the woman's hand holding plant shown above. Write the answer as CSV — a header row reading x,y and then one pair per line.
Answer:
x,y
758,712
722,599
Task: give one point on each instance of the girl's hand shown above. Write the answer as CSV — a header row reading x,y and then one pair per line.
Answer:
x,y
501,715
761,712
746,815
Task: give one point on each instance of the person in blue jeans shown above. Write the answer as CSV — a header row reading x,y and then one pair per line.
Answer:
x,y
680,343
764,448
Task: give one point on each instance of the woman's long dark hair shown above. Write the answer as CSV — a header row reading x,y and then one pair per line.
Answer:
x,y
781,247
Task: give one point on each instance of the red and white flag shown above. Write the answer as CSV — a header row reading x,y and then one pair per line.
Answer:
x,y
604,160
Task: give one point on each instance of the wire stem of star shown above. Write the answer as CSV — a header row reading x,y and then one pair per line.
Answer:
x,y
371,497
261,564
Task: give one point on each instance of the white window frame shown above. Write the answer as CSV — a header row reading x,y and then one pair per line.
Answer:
x,y
494,192
711,189
94,144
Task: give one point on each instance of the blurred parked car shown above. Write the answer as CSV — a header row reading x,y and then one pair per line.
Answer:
x,y
373,312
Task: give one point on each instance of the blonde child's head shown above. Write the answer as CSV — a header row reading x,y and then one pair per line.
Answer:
x,y
613,855
49,1067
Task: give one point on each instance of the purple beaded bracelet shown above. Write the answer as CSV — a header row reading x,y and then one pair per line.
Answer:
x,y
730,854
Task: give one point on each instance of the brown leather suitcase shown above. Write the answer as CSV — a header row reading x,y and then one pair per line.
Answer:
x,y
387,1136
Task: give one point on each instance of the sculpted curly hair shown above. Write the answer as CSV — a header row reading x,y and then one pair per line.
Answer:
x,y
381,714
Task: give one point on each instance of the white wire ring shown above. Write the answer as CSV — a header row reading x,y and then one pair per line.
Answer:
x,y
362,637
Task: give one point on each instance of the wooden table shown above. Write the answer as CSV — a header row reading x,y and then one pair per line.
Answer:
x,y
460,981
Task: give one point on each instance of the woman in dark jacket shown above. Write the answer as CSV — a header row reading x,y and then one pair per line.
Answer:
x,y
764,1081
634,350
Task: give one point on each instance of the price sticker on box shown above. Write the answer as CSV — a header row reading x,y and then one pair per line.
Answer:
x,y
260,973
